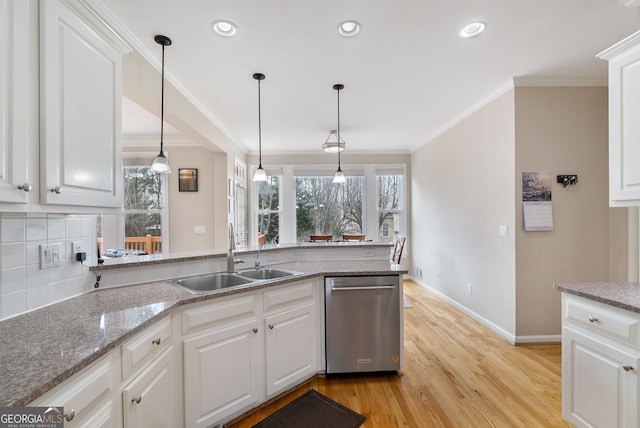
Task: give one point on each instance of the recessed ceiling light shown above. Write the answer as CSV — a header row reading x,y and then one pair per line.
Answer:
x,y
224,28
348,28
473,29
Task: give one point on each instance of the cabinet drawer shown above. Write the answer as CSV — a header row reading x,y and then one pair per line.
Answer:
x,y
615,323
145,346
220,312
77,396
280,297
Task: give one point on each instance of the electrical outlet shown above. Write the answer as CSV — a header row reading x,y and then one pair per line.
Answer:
x,y
469,288
76,247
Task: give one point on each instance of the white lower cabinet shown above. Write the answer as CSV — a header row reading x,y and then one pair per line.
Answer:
x,y
291,337
88,398
239,351
600,363
149,399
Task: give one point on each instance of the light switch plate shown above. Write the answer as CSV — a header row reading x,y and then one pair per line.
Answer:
x,y
50,255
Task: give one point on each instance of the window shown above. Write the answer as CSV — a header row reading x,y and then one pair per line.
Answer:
x,y
299,201
144,209
239,199
389,188
324,208
269,209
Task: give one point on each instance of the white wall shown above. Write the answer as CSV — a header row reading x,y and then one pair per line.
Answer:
x,y
462,190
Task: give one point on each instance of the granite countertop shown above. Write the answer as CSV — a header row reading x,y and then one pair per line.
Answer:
x,y
624,295
43,347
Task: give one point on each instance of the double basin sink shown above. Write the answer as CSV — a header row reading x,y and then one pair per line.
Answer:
x,y
220,280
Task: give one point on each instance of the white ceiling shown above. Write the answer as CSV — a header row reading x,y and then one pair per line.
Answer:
x,y
407,74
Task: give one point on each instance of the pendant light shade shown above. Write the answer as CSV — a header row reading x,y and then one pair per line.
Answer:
x,y
260,174
339,177
333,145
161,163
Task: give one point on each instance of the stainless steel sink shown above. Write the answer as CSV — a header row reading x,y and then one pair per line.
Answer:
x,y
210,282
264,273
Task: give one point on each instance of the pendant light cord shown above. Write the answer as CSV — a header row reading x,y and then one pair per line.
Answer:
x,y
339,140
162,106
259,129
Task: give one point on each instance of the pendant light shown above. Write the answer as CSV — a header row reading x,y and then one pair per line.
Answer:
x,y
339,177
161,163
260,174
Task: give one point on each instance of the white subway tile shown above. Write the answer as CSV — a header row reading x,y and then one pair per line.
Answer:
x,y
13,255
36,297
14,279
36,229
35,276
73,228
12,229
56,291
55,228
14,303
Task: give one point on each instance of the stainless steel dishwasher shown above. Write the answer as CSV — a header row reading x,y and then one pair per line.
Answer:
x,y
362,324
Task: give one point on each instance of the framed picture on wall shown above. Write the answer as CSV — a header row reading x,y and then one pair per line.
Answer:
x,y
188,179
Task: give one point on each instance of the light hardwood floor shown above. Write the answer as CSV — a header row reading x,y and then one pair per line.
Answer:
x,y
457,373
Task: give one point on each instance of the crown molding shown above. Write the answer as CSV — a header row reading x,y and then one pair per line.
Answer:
x,y
620,47
559,81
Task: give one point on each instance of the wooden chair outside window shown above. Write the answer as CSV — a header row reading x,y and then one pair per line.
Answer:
x,y
396,255
320,238
353,237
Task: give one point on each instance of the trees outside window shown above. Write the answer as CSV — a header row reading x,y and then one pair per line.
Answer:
x,y
324,208
389,202
269,209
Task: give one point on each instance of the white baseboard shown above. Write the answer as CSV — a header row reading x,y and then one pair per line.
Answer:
x,y
511,338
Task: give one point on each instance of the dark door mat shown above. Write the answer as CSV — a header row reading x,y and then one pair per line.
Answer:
x,y
313,410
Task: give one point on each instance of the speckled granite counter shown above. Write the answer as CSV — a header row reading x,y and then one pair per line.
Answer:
x,y
625,295
42,348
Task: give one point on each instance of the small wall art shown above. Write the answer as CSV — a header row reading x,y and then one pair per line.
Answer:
x,y
188,179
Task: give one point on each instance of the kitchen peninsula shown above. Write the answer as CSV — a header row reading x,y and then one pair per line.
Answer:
x,y
44,350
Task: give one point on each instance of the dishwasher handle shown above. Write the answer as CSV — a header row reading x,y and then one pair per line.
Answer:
x,y
368,287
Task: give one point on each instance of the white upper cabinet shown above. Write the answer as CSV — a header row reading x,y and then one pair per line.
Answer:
x,y
80,111
624,125
18,99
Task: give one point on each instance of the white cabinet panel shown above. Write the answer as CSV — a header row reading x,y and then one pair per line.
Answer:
x,y
291,345
222,372
18,98
80,94
150,399
602,380
624,126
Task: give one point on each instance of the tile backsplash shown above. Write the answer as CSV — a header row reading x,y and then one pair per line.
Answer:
x,y
23,285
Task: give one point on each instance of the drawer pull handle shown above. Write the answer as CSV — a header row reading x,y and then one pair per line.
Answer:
x,y
156,341
271,326
592,318
57,190
137,399
26,187
627,367
68,416
255,330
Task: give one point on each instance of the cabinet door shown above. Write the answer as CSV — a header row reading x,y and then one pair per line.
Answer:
x,y
223,373
80,119
87,397
291,344
18,44
150,399
624,126
599,383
